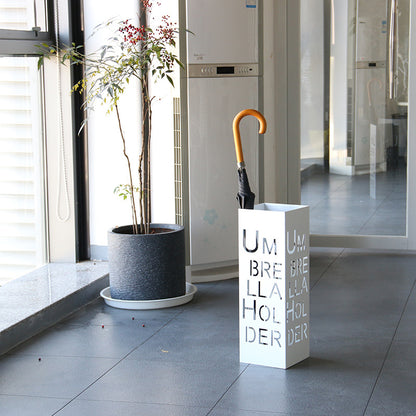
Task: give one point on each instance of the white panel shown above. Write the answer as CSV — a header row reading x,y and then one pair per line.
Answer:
x,y
213,104
222,31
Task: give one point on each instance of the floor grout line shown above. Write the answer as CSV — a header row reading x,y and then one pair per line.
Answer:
x,y
374,212
389,348
328,267
227,390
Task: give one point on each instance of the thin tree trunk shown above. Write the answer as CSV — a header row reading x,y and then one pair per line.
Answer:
x,y
132,201
145,155
141,188
148,191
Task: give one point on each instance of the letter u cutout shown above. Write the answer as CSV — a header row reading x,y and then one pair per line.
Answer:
x,y
245,239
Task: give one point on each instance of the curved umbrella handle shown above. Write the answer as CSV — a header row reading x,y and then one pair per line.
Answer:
x,y
236,131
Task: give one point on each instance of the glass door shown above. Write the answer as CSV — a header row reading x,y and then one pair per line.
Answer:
x,y
354,104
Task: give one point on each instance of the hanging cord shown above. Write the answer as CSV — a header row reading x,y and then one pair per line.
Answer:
x,y
62,169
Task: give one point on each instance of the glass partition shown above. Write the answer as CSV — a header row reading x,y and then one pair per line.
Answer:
x,y
354,95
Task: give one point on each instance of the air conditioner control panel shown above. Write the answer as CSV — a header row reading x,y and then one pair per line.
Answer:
x,y
222,70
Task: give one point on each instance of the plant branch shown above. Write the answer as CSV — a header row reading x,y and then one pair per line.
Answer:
x,y
133,204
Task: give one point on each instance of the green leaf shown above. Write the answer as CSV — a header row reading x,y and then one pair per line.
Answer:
x,y
170,80
40,61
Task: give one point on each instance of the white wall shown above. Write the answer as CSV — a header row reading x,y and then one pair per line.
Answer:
x,y
107,166
162,168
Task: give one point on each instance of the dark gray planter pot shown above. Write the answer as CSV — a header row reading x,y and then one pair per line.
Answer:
x,y
147,266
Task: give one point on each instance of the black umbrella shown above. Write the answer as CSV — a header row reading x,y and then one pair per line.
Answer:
x,y
245,197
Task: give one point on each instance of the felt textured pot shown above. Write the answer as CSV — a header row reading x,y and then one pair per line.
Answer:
x,y
147,266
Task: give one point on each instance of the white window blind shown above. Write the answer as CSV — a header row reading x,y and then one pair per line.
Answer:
x,y
22,14
22,214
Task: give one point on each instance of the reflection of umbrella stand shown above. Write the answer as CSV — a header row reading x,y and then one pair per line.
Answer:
x,y
273,274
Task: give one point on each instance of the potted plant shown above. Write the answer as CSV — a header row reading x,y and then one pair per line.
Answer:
x,y
146,261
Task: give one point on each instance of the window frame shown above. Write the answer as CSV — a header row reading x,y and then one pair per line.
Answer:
x,y
24,41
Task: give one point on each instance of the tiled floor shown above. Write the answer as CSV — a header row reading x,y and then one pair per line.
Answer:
x,y
184,361
360,204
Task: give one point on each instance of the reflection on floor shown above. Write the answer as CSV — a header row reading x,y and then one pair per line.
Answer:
x,y
184,361
360,204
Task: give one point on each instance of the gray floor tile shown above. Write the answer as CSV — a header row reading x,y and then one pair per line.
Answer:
x,y
98,313
395,392
107,341
320,260
362,295
217,341
382,226
224,310
184,384
214,298
342,204
385,262
59,377
108,408
406,331
218,411
29,406
311,388
337,352
402,357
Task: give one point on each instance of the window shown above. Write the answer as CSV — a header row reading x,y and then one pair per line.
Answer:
x,y
36,160
22,191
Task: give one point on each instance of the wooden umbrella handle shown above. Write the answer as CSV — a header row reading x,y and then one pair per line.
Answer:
x,y
236,130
